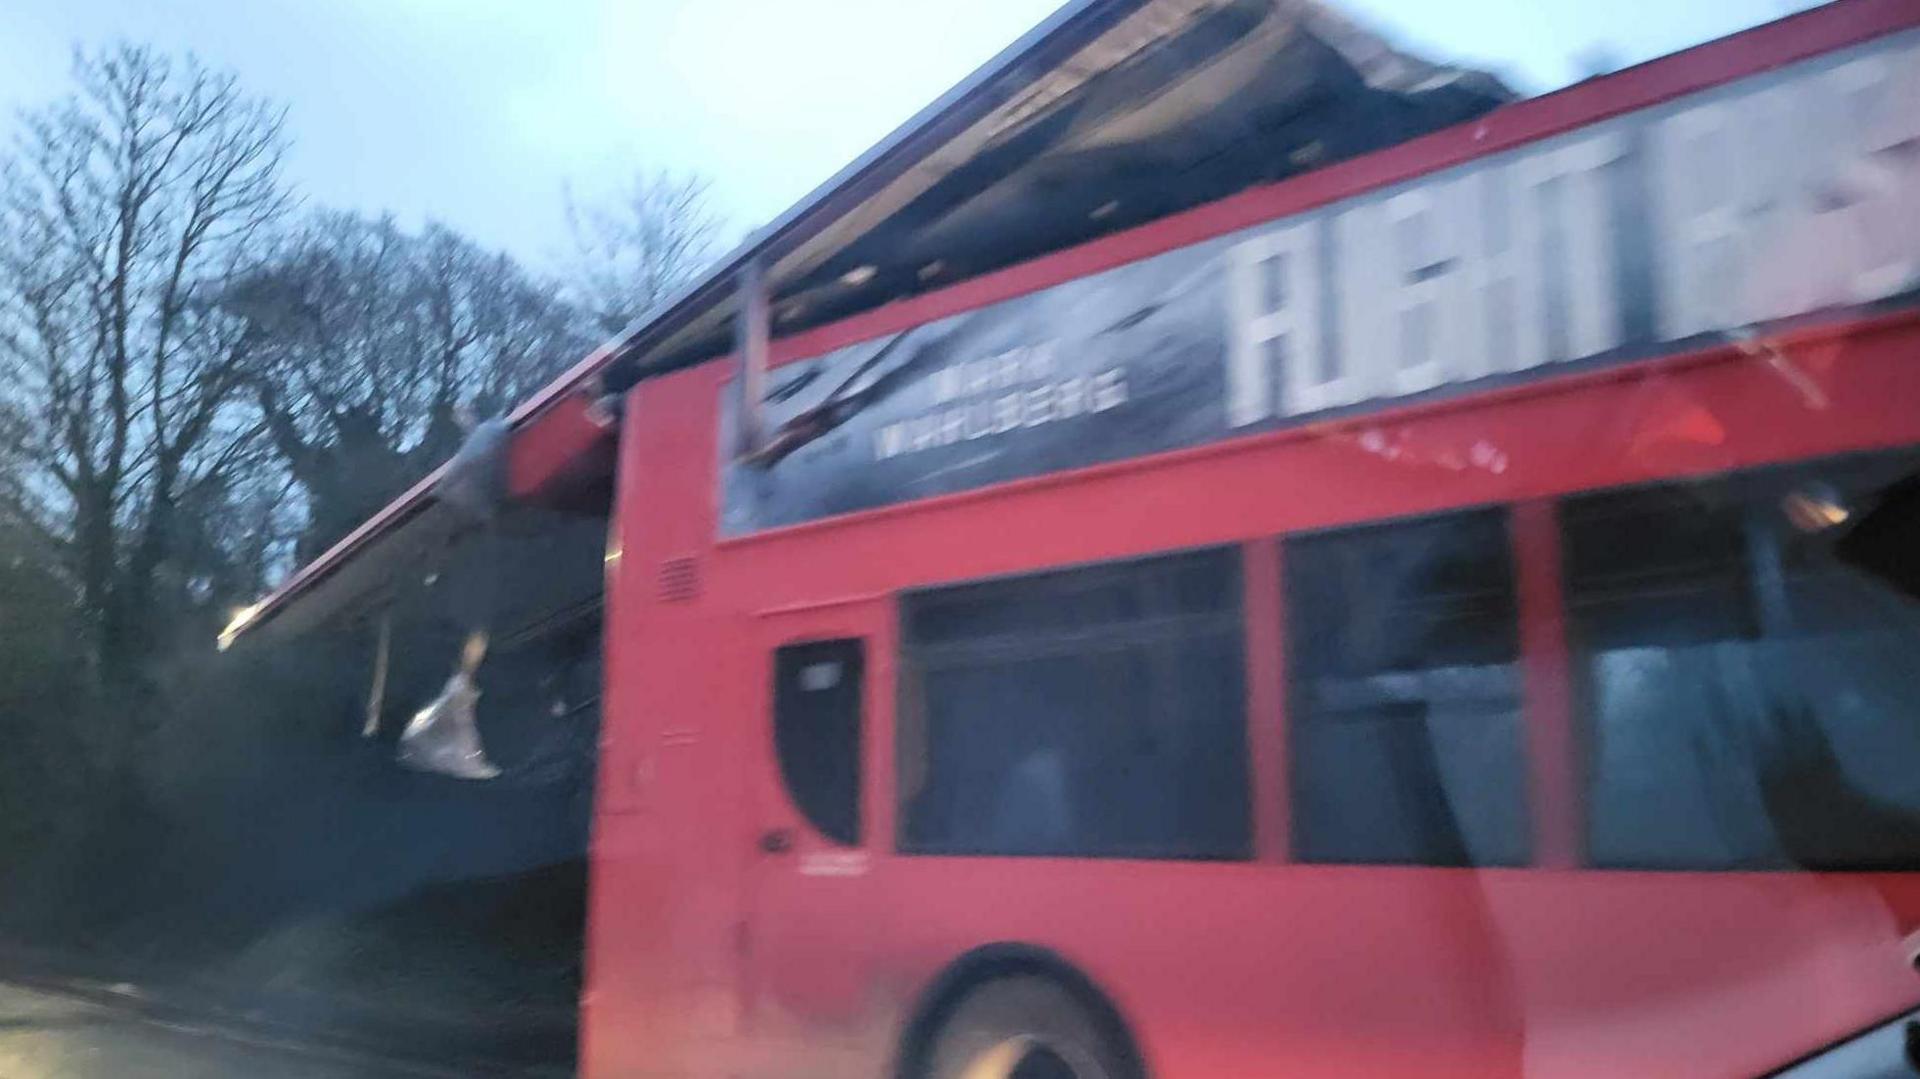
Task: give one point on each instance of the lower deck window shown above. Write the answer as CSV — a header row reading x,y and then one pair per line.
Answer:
x,y
1405,697
1749,702
1088,712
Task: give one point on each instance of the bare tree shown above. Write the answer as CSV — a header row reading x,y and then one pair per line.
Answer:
x,y
124,209
372,337
633,250
16,456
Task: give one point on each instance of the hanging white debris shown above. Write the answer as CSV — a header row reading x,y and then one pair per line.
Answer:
x,y
442,737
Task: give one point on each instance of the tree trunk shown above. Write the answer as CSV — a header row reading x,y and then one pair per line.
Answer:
x,y
94,543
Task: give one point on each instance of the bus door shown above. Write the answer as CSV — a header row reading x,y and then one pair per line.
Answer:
x,y
823,704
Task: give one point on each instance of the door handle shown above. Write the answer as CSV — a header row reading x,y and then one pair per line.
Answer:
x,y
776,841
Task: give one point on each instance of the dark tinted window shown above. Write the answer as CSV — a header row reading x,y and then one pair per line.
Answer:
x,y
1095,711
1405,694
816,731
1748,701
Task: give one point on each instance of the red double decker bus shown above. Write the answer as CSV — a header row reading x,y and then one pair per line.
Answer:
x,y
1367,609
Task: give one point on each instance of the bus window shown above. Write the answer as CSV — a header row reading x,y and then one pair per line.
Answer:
x,y
1748,700
1094,712
816,732
1405,694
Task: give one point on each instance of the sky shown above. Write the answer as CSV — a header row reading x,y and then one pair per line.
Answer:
x,y
480,113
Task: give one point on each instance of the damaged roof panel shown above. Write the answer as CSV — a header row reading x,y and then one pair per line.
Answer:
x,y
1179,103
1110,114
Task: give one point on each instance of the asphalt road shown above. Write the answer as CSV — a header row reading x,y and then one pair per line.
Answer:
x,y
55,1034
52,1035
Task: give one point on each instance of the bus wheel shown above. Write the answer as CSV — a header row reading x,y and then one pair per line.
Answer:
x,y
1025,1028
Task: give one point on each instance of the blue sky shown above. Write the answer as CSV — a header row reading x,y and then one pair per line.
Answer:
x,y
477,112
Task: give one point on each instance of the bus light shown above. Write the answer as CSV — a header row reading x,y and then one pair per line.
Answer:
x,y
1814,510
242,618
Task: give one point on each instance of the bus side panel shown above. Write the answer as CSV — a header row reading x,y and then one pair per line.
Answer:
x,y
1343,970
663,996
1242,968
1367,971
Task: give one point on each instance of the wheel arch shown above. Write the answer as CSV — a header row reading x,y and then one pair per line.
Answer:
x,y
1000,960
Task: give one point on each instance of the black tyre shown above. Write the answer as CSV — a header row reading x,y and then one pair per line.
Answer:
x,y
1027,1027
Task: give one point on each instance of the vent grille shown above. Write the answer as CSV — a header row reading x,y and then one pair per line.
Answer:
x,y
679,580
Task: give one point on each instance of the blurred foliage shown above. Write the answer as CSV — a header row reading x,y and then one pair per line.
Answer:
x,y
202,382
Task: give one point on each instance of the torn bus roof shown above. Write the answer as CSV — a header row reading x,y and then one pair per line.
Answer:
x,y
1110,114
558,489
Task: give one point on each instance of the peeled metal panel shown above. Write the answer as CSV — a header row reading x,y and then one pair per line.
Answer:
x,y
437,568
1178,103
1111,113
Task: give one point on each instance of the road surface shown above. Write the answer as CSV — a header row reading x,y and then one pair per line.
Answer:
x,y
46,1034
54,1034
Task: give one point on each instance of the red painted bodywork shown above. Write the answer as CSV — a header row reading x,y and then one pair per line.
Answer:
x,y
709,957
708,960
